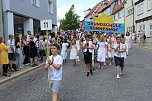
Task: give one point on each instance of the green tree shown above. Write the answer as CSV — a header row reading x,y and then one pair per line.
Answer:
x,y
70,21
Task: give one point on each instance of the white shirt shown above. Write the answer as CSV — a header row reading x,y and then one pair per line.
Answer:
x,y
35,39
28,38
42,45
116,53
90,45
11,42
54,73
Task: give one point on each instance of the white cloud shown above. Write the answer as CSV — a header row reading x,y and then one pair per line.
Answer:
x,y
79,9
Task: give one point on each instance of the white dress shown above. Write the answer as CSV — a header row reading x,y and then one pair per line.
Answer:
x,y
101,56
63,51
73,52
110,51
128,42
78,44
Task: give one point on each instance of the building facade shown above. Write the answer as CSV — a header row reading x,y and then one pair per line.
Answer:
x,y
21,16
1,22
129,16
143,16
118,11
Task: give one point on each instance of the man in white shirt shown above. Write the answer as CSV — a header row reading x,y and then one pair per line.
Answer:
x,y
54,67
11,51
119,54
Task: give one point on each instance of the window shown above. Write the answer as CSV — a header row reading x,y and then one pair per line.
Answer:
x,y
143,27
36,3
118,2
114,17
140,28
149,5
150,27
129,11
50,6
140,9
118,15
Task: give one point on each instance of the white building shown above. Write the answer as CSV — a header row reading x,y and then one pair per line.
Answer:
x,y
118,11
20,16
143,16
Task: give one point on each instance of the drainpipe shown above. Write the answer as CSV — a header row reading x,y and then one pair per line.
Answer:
x,y
2,17
133,16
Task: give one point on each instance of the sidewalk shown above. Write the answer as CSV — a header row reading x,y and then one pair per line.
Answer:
x,y
148,45
16,74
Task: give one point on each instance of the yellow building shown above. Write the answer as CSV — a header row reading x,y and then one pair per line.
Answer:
x,y
130,25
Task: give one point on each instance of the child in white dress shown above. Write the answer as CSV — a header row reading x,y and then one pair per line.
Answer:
x,y
64,50
78,48
110,52
73,52
101,56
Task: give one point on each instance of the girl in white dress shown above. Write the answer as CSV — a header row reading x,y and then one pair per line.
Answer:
x,y
101,55
110,52
128,42
78,47
73,52
64,50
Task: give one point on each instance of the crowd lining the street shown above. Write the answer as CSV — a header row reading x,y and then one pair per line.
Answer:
x,y
96,48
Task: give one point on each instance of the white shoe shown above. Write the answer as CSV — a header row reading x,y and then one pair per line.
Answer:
x,y
110,64
118,76
104,64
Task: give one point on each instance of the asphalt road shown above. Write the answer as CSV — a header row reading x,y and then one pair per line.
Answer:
x,y
134,85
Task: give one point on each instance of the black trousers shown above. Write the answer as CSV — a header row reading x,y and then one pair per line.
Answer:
x,y
5,68
26,59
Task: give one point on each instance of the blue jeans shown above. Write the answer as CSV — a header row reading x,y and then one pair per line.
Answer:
x,y
20,57
42,54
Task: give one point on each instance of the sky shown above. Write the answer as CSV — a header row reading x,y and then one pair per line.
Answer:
x,y
80,6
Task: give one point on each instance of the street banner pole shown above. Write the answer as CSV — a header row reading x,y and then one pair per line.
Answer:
x,y
47,25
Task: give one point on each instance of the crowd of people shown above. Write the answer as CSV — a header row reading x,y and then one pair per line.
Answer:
x,y
97,48
22,51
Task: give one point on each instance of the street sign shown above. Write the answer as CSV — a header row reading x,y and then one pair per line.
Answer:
x,y
46,24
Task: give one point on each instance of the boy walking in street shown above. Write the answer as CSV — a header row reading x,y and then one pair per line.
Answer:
x,y
119,54
54,67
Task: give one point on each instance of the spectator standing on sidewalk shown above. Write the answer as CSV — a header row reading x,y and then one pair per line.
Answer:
x,y
19,51
11,51
4,56
139,38
42,47
26,50
54,67
33,52
143,40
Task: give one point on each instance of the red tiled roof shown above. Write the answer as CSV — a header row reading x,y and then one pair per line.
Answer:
x,y
104,7
92,10
117,7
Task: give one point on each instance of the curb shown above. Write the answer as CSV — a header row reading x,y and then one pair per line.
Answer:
x,y
143,47
7,79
